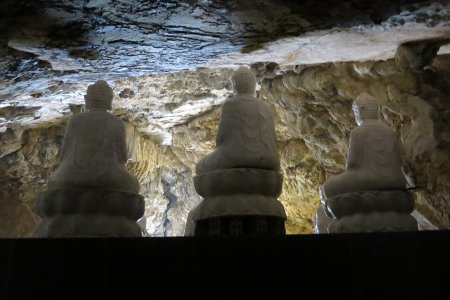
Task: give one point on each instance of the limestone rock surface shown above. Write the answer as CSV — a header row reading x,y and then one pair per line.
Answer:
x,y
169,63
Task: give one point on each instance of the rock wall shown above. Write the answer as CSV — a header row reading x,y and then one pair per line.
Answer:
x,y
313,104
27,158
172,120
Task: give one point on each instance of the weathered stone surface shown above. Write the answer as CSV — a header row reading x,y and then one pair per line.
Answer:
x,y
415,103
311,59
24,173
78,40
308,108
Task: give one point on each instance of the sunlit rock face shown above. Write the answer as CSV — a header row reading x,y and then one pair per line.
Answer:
x,y
314,104
27,159
169,63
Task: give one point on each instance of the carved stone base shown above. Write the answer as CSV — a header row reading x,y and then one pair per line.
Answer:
x,y
239,181
374,222
239,205
240,226
238,201
347,204
89,213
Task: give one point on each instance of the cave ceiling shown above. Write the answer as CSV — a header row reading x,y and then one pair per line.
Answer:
x,y
80,41
169,64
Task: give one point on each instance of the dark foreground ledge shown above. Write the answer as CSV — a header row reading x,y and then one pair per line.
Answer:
x,y
411,265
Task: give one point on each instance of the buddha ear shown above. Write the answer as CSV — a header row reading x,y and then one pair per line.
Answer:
x,y
84,106
233,86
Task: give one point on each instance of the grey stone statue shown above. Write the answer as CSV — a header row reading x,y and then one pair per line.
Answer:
x,y
374,158
94,150
246,135
240,179
370,195
92,193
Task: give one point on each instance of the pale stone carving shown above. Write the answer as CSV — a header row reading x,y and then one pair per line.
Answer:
x,y
240,179
92,193
374,158
94,150
246,135
370,195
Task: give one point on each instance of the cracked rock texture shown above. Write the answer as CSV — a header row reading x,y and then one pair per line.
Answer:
x,y
169,63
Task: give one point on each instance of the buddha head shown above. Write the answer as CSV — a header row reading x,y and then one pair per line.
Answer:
x,y
244,81
99,96
365,108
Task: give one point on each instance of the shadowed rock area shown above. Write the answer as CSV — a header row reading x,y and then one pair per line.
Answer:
x,y
169,63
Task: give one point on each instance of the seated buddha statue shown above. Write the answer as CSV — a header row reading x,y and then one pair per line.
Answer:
x,y
371,194
240,180
94,150
374,157
246,135
91,193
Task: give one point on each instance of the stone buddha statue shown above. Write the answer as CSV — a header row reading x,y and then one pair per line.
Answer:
x,y
371,193
94,150
91,193
240,179
246,136
374,157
